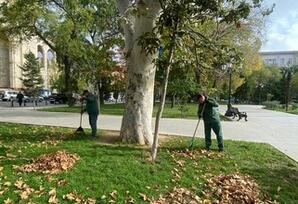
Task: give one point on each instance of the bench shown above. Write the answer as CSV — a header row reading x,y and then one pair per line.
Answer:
x,y
234,112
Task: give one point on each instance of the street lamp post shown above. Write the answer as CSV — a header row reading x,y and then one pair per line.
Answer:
x,y
229,68
261,85
230,85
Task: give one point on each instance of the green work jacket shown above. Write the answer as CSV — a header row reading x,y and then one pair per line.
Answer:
x,y
91,104
211,111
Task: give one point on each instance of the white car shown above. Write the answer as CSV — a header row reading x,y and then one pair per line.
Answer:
x,y
8,95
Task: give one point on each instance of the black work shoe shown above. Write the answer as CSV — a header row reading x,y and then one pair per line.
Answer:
x,y
220,150
208,148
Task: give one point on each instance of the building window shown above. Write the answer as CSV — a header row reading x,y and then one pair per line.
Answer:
x,y
274,61
282,61
290,61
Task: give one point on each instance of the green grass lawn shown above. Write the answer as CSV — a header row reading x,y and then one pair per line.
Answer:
x,y
117,109
108,109
292,111
125,170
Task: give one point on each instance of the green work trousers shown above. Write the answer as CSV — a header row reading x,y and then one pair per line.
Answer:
x,y
216,127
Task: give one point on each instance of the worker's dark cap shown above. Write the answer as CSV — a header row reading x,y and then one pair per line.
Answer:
x,y
200,95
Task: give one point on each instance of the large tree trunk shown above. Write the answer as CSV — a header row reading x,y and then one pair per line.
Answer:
x,y
173,101
97,86
100,92
68,83
136,122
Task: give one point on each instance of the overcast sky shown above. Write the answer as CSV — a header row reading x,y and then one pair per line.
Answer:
x,y
282,26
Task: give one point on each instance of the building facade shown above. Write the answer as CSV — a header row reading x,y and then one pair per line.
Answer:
x,y
12,57
280,58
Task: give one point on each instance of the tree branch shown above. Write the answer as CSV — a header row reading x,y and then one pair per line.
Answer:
x,y
43,38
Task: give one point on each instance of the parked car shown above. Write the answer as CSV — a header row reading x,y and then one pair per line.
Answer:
x,y
57,98
8,95
1,94
28,99
44,93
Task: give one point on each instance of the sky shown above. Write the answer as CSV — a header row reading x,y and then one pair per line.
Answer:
x,y
282,26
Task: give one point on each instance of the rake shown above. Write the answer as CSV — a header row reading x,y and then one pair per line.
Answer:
x,y
191,143
80,129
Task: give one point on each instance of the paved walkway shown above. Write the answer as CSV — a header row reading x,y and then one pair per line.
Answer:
x,y
276,128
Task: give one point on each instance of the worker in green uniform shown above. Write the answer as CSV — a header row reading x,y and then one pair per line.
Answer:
x,y
92,110
208,110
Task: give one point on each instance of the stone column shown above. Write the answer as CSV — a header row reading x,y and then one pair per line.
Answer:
x,y
45,67
12,65
4,64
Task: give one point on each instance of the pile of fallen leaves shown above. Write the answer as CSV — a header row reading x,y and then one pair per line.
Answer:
x,y
51,163
178,196
223,189
234,188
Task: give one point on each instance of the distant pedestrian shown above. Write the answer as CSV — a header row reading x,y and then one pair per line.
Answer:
x,y
92,110
20,97
208,110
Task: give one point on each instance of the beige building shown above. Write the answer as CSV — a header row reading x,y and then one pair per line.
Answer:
x,y
280,58
12,57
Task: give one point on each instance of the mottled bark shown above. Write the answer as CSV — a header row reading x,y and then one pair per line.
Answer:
x,y
136,122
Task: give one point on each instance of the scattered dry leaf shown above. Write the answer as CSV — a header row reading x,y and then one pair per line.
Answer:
x,y
9,155
193,154
8,201
78,199
69,196
144,196
114,194
61,182
7,183
90,201
52,194
178,196
19,184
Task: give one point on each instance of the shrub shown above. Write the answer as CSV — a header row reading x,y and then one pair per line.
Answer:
x,y
294,106
272,104
183,109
